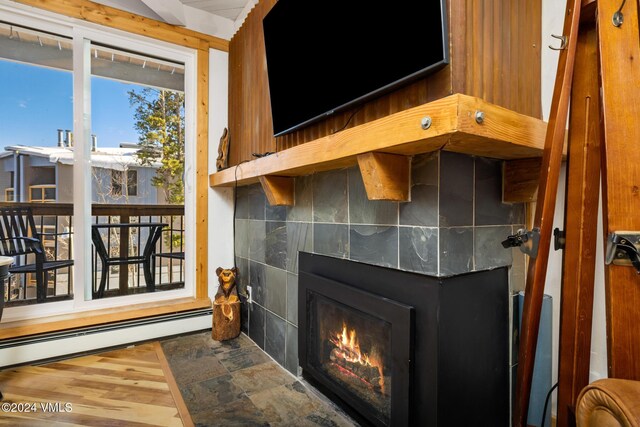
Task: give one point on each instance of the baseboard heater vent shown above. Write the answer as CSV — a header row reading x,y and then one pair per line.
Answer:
x,y
97,329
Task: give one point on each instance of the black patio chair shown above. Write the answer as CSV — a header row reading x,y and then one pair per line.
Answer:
x,y
19,236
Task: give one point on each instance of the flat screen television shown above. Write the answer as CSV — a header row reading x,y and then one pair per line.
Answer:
x,y
326,56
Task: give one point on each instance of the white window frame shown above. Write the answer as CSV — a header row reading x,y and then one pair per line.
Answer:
x,y
82,34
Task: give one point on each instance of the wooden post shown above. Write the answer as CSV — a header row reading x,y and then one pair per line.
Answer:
x,y
543,221
124,254
620,77
581,216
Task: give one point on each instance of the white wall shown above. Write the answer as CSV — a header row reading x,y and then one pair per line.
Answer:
x,y
220,199
552,23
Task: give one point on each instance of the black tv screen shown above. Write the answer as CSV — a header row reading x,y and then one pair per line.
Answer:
x,y
327,56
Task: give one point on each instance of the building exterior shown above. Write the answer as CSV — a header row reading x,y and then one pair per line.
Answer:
x,y
45,174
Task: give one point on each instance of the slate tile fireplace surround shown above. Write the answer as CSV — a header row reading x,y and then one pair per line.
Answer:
x,y
454,224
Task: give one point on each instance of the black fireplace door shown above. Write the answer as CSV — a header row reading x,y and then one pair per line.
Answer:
x,y
359,346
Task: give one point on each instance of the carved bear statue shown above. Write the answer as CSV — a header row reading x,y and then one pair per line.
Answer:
x,y
226,306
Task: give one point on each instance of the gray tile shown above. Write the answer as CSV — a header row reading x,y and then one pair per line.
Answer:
x,y
489,207
292,298
257,202
256,324
488,249
331,239
275,213
291,354
276,292
275,245
326,417
365,211
299,238
238,413
242,274
284,405
518,270
275,337
244,316
243,358
191,346
419,249
257,237
242,202
218,391
456,189
456,250
301,211
258,282
374,244
221,347
261,377
190,368
242,238
330,196
423,207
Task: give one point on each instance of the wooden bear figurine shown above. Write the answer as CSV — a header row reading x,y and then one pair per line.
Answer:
x,y
226,306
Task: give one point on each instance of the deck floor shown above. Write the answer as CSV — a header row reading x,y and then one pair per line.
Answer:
x,y
188,380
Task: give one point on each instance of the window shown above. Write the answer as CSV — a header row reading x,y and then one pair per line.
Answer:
x,y
118,184
67,79
42,193
132,183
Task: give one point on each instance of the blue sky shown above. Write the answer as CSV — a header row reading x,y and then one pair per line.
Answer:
x,y
36,101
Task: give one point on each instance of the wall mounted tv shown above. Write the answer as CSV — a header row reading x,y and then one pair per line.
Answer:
x,y
327,56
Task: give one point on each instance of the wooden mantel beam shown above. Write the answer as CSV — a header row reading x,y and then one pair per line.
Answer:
x,y
386,176
503,134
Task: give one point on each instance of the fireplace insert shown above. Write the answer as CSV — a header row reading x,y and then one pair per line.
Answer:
x,y
360,350
395,348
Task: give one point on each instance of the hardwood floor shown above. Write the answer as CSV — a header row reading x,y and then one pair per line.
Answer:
x,y
128,387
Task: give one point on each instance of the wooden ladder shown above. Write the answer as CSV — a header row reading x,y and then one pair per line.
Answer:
x,y
599,77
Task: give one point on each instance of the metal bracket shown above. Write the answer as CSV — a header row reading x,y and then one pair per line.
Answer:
x,y
623,248
563,42
618,16
559,239
528,241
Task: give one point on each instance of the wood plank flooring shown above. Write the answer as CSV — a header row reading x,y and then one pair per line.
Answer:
x,y
128,387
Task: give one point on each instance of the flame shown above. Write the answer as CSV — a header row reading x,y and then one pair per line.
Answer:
x,y
346,342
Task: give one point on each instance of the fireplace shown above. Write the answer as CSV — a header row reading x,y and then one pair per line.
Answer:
x,y
360,349
396,348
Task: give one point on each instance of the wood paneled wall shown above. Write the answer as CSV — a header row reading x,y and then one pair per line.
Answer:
x,y
495,55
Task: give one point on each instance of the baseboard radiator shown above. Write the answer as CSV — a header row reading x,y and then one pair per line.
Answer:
x,y
55,345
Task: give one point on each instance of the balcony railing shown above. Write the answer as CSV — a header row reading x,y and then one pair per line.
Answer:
x,y
55,222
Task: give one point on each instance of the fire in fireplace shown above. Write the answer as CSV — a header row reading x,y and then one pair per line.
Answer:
x,y
358,346
356,361
347,357
398,349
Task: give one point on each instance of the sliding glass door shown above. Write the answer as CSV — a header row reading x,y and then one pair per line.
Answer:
x,y
98,130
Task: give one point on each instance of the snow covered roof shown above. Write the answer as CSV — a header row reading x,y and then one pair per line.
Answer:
x,y
106,157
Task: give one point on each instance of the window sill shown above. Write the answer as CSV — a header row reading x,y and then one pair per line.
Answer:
x,y
98,317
